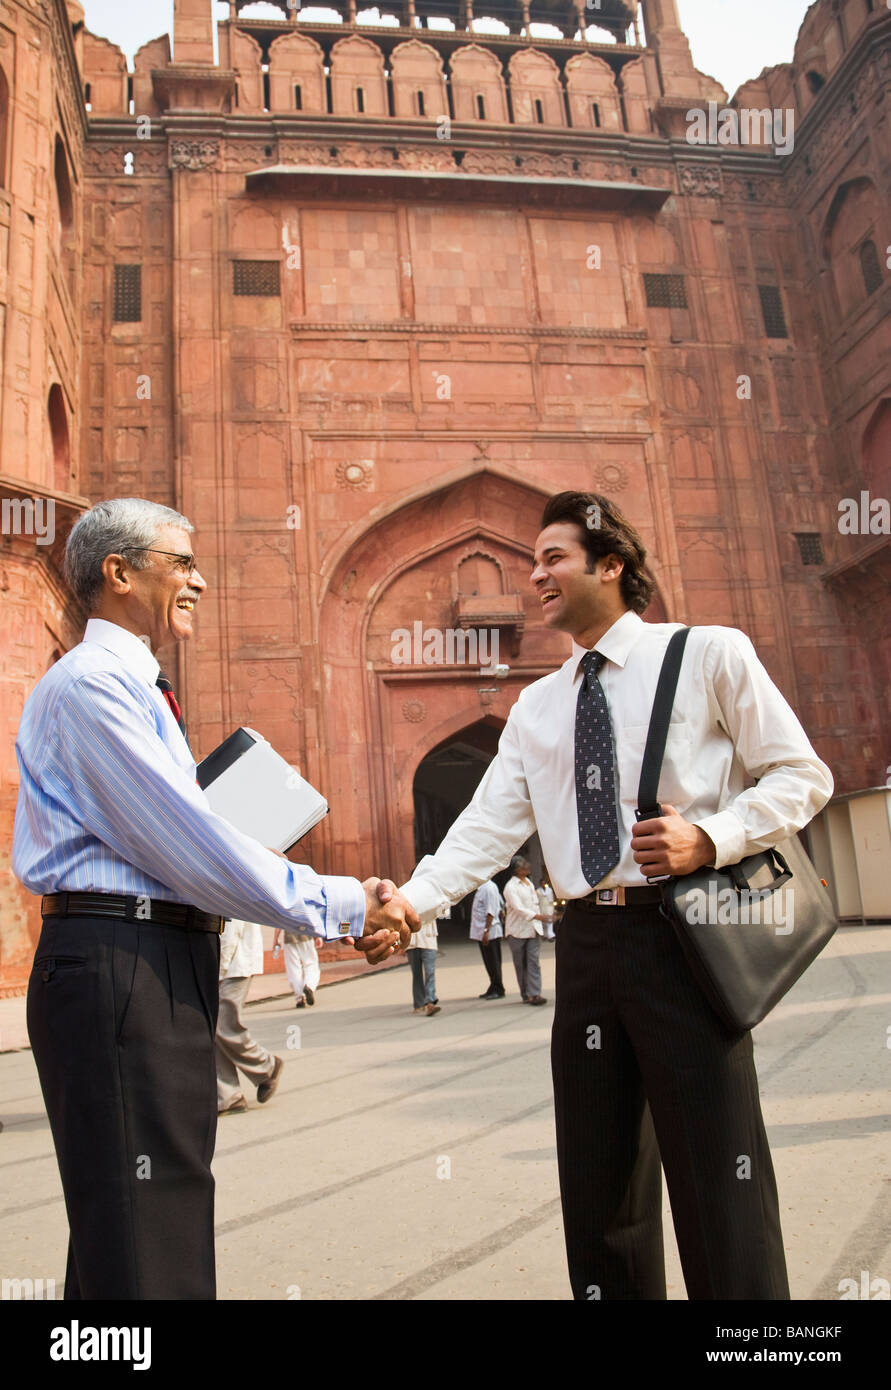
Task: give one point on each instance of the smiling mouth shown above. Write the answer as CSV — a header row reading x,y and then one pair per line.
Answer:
x,y
548,596
187,604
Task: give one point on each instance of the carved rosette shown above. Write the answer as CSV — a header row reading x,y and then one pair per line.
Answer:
x,y
414,711
611,477
356,476
194,154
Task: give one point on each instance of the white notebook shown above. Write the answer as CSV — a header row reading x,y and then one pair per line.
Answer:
x,y
252,787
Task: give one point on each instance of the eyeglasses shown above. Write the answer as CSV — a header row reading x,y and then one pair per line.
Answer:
x,y
186,562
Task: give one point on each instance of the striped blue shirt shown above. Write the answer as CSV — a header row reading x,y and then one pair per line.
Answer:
x,y
108,803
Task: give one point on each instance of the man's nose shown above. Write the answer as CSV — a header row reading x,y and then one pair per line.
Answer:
x,y
538,573
197,581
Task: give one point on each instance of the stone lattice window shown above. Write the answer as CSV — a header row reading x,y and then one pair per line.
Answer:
x,y
810,548
665,291
870,267
772,310
127,294
256,278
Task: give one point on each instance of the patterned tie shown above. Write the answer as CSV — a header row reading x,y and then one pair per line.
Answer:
x,y
595,779
166,690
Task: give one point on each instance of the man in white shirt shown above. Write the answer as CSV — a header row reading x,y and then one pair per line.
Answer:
x,y
636,1050
522,927
485,927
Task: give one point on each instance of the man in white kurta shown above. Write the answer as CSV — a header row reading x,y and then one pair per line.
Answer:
x,y
241,957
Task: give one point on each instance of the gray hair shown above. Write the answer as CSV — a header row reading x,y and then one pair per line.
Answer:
x,y
110,528
518,861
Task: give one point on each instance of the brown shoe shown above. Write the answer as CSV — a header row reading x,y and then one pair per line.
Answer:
x,y
431,1009
238,1107
266,1088
537,999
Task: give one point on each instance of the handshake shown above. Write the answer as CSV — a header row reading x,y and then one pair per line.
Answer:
x,y
390,920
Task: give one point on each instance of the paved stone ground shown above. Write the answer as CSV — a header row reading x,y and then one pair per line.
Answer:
x,y
406,1157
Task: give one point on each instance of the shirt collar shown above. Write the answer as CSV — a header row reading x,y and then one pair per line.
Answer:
x,y
615,644
135,654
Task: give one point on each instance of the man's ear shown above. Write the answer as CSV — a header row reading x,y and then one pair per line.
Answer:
x,y
116,574
611,568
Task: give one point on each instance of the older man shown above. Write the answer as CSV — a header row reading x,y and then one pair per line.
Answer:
x,y
136,873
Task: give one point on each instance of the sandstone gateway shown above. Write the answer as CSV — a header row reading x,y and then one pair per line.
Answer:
x,y
356,298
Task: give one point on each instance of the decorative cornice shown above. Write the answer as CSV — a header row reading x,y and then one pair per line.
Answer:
x,y
457,330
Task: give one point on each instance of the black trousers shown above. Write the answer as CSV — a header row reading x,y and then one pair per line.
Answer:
x,y
644,1069
121,1017
491,953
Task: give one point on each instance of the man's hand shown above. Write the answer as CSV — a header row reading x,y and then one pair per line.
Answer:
x,y
390,920
670,845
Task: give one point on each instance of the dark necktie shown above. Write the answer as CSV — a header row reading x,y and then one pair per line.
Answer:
x,y
166,690
595,778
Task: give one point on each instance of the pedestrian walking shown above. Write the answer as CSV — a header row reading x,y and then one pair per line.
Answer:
x,y
301,965
548,908
422,951
523,929
486,928
241,957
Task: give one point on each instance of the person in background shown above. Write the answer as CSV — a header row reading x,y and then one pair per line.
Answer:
x,y
485,927
523,927
421,952
241,957
301,965
548,909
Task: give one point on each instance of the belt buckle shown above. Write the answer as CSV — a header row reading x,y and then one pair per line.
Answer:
x,y
610,897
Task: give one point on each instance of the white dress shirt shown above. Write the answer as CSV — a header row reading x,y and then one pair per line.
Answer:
x,y
487,902
108,803
730,725
521,902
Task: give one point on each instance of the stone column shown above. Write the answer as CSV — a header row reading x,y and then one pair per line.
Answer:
x,y
193,31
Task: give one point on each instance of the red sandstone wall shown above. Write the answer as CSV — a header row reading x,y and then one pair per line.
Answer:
x,y
432,368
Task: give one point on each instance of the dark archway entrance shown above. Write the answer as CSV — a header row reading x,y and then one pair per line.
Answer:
x,y
444,783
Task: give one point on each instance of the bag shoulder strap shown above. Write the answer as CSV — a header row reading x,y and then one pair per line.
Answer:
x,y
657,734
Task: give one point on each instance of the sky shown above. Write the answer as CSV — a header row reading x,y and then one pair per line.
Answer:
x,y
731,40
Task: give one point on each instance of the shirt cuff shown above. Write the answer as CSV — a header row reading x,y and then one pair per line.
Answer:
x,y
728,834
426,899
344,907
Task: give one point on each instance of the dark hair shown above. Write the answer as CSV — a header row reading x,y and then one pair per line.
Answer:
x,y
606,531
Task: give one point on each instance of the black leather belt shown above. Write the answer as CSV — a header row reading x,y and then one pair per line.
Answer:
x,y
156,911
649,896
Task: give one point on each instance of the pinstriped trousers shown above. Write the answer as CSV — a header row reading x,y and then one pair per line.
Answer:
x,y
644,1069
121,1017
